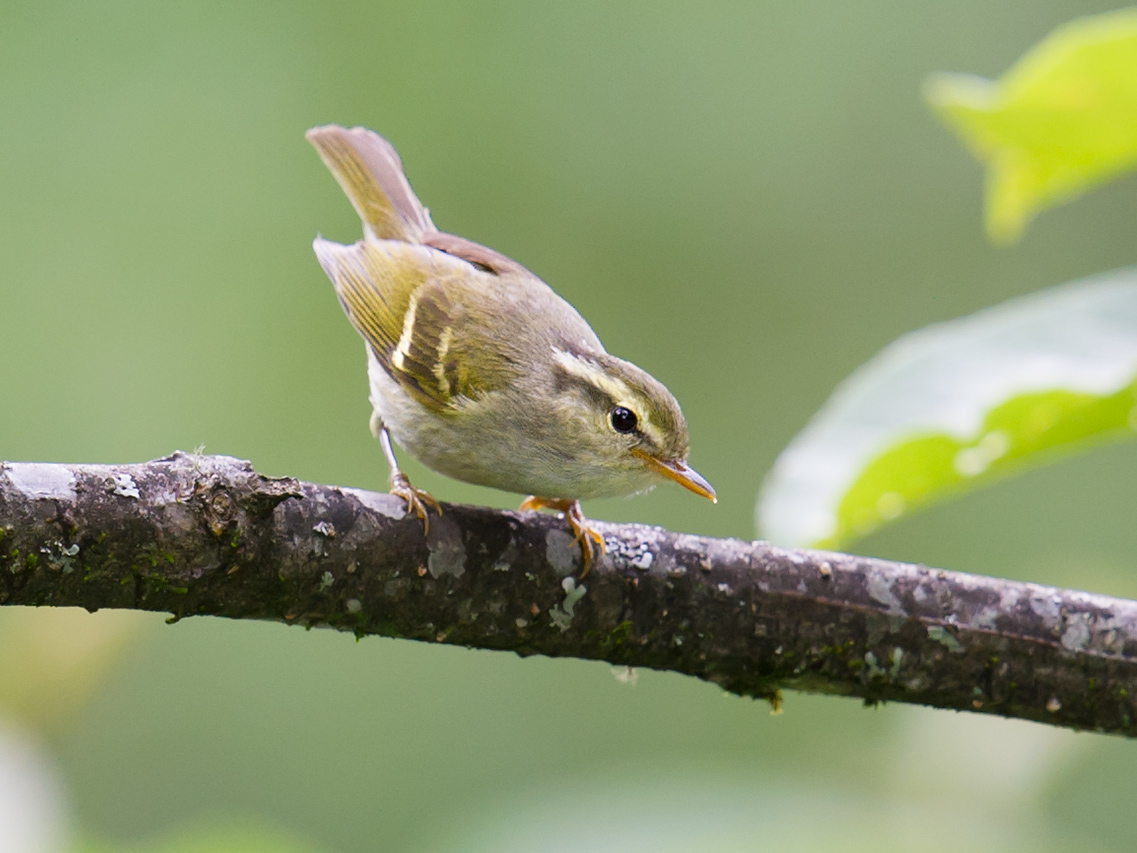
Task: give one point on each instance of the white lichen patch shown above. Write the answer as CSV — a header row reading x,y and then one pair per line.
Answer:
x,y
124,486
985,618
879,588
872,667
354,605
1112,633
1077,634
1048,607
61,557
561,550
792,556
941,635
629,555
41,480
447,551
562,613
178,517
326,581
689,542
897,660
380,502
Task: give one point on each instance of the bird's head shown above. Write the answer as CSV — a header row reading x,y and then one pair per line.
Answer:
x,y
626,420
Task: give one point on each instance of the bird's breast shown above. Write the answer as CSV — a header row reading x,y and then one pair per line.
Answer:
x,y
490,443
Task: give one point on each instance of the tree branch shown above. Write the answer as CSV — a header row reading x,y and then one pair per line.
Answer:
x,y
207,535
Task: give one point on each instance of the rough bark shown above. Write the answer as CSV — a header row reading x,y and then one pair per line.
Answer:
x,y
206,535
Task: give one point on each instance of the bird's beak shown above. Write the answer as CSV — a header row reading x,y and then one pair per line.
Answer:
x,y
680,472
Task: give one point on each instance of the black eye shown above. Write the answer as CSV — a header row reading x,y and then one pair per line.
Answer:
x,y
623,420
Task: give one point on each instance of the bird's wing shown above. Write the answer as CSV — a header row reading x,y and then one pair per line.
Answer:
x,y
447,318
404,300
371,173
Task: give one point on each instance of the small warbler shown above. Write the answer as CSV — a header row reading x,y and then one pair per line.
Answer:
x,y
478,368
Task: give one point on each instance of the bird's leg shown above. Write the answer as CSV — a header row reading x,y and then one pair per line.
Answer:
x,y
581,531
417,499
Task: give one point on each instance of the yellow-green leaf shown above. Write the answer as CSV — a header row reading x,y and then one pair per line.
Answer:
x,y
1061,121
953,407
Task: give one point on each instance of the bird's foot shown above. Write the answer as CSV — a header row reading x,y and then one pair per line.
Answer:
x,y
417,499
581,531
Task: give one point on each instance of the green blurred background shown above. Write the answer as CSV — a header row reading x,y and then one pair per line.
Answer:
x,y
748,199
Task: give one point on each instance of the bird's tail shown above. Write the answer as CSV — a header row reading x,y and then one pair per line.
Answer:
x,y
371,173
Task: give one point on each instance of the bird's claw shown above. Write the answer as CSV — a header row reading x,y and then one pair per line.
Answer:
x,y
417,499
581,531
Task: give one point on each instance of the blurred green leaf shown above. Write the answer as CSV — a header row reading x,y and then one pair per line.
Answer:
x,y
52,658
950,408
719,812
1060,122
243,838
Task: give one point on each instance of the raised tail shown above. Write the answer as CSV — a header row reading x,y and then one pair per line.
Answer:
x,y
368,168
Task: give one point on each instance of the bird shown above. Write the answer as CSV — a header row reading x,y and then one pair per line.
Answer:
x,y
479,369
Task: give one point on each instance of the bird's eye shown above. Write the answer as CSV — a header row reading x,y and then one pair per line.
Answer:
x,y
623,420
